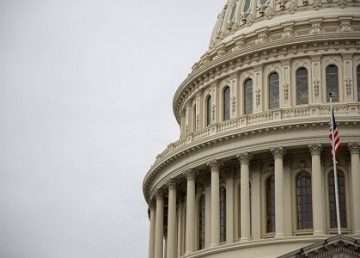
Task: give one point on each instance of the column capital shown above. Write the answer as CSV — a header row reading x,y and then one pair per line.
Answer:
x,y
171,184
315,149
159,193
190,174
214,164
244,158
354,148
152,203
278,152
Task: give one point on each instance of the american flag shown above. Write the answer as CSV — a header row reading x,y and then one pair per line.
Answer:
x,y
334,135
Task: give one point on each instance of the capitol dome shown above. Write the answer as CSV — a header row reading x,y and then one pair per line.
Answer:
x,y
251,174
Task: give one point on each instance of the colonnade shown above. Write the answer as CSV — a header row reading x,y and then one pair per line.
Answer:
x,y
156,209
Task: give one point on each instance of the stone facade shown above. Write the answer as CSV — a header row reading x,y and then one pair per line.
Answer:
x,y
250,175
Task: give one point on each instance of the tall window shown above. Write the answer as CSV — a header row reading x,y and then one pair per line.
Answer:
x,y
226,100
233,11
358,81
247,5
202,222
332,82
208,110
270,204
302,96
273,90
248,96
304,201
194,118
222,214
342,199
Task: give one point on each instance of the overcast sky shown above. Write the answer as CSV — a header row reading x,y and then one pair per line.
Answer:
x,y
86,91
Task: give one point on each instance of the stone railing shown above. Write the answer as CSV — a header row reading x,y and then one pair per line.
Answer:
x,y
254,120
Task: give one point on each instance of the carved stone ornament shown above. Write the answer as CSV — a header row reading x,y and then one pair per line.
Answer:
x,y
288,32
354,148
171,184
233,104
262,37
261,10
286,91
258,95
316,4
244,158
293,6
316,87
315,28
190,174
159,193
214,165
348,85
345,26
278,152
282,4
213,109
302,165
315,149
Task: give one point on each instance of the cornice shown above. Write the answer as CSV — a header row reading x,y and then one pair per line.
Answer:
x,y
187,146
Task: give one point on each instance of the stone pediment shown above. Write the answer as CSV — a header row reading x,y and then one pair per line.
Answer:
x,y
339,246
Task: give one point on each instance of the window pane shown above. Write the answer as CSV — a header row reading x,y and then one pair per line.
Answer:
x,y
248,96
247,5
273,90
208,112
342,199
358,81
222,214
270,204
202,222
233,11
301,86
332,82
304,201
226,103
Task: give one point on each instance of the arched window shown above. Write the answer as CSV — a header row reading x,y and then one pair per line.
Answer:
x,y
233,11
222,214
270,204
342,199
202,222
302,95
208,110
304,201
358,82
248,96
273,90
247,6
332,82
194,118
226,100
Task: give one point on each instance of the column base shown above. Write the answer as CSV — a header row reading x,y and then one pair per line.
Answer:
x,y
244,239
188,253
212,245
280,235
319,233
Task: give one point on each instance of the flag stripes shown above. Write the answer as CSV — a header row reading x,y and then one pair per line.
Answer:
x,y
334,135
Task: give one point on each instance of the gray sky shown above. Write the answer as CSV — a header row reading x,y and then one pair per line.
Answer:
x,y
86,91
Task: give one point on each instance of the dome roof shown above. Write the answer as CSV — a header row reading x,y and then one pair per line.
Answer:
x,y
242,16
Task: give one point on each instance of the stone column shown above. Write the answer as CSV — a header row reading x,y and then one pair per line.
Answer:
x,y
179,228
278,153
190,212
215,204
317,190
230,207
256,200
171,228
355,179
244,159
152,229
159,227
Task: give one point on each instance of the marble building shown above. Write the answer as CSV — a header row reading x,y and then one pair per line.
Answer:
x,y
251,173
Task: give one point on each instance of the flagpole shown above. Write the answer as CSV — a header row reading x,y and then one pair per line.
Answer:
x,y
334,167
